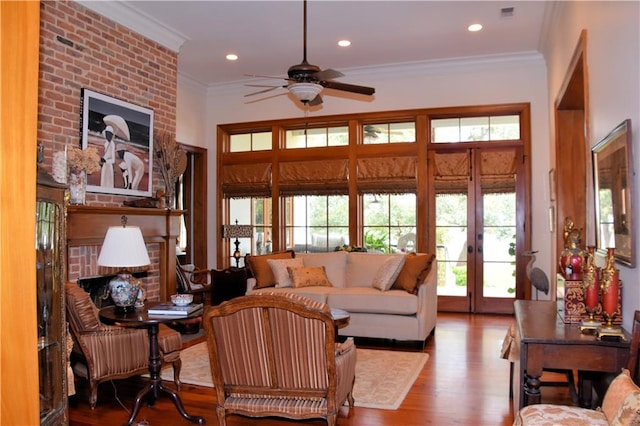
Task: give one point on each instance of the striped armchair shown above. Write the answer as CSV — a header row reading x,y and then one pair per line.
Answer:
x,y
275,355
105,352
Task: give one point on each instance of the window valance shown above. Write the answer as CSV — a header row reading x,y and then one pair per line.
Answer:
x,y
246,180
498,171
391,175
321,177
451,172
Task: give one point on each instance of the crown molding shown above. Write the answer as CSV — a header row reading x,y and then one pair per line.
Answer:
x,y
138,21
432,66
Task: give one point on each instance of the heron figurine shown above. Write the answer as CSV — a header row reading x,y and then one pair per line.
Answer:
x,y
536,276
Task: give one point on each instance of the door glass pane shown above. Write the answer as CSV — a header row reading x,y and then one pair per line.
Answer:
x,y
498,242
451,240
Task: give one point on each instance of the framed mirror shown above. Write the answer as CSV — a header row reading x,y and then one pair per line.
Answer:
x,y
613,193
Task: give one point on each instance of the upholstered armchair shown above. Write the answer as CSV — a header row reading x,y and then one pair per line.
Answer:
x,y
193,280
276,355
104,352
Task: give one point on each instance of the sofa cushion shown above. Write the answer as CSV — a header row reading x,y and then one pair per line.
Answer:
x,y
312,276
621,388
551,415
280,272
335,264
387,273
415,269
260,269
363,267
371,300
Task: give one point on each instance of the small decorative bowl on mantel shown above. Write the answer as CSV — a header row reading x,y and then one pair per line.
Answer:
x,y
181,299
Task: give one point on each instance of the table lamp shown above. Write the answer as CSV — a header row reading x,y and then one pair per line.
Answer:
x,y
237,231
124,251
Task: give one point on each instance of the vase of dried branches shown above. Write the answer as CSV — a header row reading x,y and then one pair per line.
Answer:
x,y
173,163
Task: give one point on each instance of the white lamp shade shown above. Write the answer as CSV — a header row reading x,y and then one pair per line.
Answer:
x,y
123,247
305,92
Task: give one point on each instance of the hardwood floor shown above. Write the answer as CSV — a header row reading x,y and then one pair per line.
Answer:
x,y
465,382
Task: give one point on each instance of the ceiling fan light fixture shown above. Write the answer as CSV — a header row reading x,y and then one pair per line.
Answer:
x,y
305,92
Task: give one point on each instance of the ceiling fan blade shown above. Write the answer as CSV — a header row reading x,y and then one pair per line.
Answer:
x,y
363,90
328,74
266,76
263,91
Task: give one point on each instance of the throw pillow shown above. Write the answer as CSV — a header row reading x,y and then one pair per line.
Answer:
x,y
415,269
388,272
279,269
260,269
308,276
614,399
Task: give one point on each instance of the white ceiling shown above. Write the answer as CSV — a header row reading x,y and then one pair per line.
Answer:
x,y
267,35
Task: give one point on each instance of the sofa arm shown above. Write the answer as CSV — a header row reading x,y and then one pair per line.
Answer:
x,y
251,283
428,301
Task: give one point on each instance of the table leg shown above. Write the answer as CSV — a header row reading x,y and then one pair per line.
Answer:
x,y
531,390
154,387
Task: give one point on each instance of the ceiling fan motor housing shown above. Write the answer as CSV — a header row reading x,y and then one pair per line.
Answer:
x,y
303,72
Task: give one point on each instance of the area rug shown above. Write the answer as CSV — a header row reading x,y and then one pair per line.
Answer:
x,y
383,378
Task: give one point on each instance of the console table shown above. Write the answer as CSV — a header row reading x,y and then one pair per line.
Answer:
x,y
547,342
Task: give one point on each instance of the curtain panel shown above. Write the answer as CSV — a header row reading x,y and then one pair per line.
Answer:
x,y
393,175
246,180
325,177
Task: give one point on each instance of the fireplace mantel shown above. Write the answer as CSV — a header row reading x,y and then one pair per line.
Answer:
x,y
87,226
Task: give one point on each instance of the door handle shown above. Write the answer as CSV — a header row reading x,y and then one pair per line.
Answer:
x,y
480,249
469,249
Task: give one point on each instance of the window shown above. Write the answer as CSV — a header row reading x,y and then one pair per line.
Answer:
x,y
473,129
389,133
246,142
317,223
254,211
389,222
319,137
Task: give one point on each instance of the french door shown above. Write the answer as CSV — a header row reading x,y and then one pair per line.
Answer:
x,y
478,227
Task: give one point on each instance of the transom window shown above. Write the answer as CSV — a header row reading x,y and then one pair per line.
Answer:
x,y
317,137
389,133
245,142
474,129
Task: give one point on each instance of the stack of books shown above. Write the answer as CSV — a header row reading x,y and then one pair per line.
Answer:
x,y
170,309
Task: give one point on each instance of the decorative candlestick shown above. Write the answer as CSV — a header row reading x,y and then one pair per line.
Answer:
x,y
591,285
610,285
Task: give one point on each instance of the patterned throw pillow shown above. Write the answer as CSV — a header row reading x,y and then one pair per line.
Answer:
x,y
388,272
261,270
621,401
280,272
415,269
308,276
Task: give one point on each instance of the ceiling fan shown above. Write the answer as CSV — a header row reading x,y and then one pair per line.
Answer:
x,y
305,81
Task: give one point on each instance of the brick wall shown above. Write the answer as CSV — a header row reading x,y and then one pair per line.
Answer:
x,y
82,49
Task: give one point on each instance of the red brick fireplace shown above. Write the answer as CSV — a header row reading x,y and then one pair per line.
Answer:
x,y
87,226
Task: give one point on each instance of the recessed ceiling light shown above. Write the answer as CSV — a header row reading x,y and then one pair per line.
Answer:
x,y
232,57
344,43
474,27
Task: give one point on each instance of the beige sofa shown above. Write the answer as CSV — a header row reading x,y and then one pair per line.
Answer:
x,y
406,311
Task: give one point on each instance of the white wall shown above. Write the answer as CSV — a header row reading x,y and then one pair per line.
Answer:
x,y
472,81
613,51
191,113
